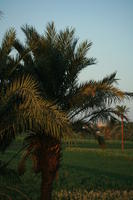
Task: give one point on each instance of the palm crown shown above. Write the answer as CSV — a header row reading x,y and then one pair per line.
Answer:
x,y
21,105
56,59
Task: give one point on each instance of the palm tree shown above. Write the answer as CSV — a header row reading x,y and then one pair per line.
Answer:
x,y
23,109
55,60
122,111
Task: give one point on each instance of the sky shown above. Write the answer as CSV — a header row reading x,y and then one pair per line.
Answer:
x,y
106,23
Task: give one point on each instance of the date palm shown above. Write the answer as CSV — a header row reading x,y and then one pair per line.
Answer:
x,y
55,60
23,109
121,111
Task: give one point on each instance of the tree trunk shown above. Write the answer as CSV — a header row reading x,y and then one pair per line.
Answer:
x,y
49,166
122,133
46,185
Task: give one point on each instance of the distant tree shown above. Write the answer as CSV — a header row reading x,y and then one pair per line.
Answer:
x,y
129,130
122,111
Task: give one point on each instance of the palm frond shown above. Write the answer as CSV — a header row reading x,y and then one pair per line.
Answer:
x,y
103,115
121,111
7,42
32,37
22,162
50,32
106,88
7,174
110,79
24,52
83,49
94,95
97,92
128,95
66,37
32,144
27,110
30,32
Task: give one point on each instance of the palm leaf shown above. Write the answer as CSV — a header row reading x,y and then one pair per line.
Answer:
x,y
7,42
110,79
28,110
50,32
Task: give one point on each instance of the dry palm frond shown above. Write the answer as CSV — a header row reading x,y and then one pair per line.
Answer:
x,y
22,163
93,88
32,147
95,94
28,110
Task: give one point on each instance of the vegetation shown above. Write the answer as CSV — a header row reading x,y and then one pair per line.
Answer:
x,y
121,112
23,109
85,170
112,130
83,194
55,60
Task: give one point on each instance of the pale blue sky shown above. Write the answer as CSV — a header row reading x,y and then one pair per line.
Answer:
x,y
107,23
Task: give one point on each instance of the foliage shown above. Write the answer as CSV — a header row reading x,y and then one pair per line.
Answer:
x,y
22,107
56,59
113,131
27,110
122,111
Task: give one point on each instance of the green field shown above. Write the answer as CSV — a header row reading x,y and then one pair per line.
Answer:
x,y
84,168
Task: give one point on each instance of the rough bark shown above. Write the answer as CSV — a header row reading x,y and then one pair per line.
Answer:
x,y
49,161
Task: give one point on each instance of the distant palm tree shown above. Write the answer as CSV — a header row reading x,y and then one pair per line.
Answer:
x,y
121,111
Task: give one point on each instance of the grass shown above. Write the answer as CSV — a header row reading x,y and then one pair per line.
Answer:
x,y
84,168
